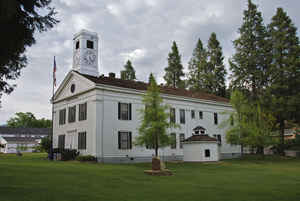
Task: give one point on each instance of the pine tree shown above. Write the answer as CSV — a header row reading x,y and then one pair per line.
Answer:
x,y
129,72
249,65
174,70
216,66
198,68
285,70
20,21
153,131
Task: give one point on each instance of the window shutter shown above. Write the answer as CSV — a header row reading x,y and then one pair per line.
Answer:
x,y
78,140
129,111
84,139
119,140
119,110
130,141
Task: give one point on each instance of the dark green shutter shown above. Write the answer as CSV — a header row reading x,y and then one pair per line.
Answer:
x,y
129,111
130,140
119,140
119,110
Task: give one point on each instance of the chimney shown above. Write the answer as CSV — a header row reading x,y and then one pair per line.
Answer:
x,y
112,75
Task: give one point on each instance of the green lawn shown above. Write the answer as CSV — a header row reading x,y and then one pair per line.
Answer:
x,y
32,178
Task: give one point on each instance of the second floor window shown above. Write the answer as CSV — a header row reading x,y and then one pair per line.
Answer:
x,y
216,118
182,116
193,114
172,115
72,114
124,111
200,115
82,111
62,116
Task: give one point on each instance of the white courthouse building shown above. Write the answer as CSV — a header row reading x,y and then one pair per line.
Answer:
x,y
99,115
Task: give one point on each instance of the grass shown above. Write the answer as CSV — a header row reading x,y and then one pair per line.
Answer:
x,y
32,178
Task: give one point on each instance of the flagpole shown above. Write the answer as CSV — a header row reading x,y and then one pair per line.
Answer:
x,y
52,99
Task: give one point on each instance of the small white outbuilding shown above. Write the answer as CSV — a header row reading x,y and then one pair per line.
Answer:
x,y
200,147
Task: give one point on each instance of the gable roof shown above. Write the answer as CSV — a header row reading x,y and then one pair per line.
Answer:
x,y
143,87
31,131
199,138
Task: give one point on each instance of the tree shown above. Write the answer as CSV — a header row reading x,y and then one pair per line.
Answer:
x,y
155,120
216,66
28,120
198,68
174,70
250,124
129,72
45,145
249,65
284,87
20,21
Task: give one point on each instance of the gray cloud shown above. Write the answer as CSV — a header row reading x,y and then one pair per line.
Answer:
x,y
140,30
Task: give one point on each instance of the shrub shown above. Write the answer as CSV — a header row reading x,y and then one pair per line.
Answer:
x,y
86,158
69,154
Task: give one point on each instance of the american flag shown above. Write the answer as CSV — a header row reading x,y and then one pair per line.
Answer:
x,y
54,72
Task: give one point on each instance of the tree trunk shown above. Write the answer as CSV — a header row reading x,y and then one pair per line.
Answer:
x,y
281,127
242,150
156,145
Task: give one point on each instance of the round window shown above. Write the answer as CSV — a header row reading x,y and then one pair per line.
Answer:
x,y
72,88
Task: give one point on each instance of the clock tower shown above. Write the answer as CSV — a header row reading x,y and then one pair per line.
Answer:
x,y
85,53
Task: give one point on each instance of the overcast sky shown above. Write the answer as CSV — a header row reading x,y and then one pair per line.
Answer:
x,y
139,30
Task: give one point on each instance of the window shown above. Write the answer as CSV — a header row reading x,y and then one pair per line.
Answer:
x,y
89,44
193,114
173,140
181,138
207,153
61,142
124,140
72,114
77,44
62,116
124,111
200,115
82,140
182,116
216,118
219,138
82,111
172,115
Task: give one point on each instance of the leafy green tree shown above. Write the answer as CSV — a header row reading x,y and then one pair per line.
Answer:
x,y
216,67
250,63
129,72
174,70
28,120
198,69
153,131
284,87
250,124
20,21
45,145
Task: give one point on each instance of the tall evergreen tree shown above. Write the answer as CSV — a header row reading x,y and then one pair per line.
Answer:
x,y
249,65
20,20
198,68
153,131
129,72
285,70
174,70
216,66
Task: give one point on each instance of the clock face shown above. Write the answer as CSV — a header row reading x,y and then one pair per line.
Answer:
x,y
76,58
89,57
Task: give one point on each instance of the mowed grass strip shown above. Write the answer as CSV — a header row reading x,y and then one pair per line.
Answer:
x,y
32,178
